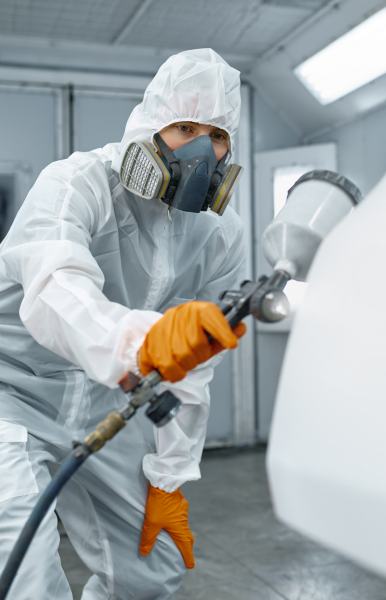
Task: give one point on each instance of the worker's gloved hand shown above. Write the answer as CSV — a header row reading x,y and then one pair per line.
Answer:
x,y
168,511
178,342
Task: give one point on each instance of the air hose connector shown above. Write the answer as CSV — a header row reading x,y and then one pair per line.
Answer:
x,y
104,431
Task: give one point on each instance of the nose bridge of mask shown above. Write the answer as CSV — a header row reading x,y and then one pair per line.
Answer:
x,y
200,146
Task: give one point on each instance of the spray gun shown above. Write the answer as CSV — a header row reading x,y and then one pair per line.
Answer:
x,y
315,204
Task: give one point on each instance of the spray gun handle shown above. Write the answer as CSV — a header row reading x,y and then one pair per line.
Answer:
x,y
260,299
130,381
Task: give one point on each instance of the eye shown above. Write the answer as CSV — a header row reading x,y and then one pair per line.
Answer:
x,y
184,128
219,136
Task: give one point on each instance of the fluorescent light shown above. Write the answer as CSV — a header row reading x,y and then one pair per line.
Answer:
x,y
350,62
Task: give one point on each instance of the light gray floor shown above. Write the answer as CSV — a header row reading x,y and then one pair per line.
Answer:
x,y
242,552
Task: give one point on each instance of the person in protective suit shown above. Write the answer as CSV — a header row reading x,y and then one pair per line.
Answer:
x,y
86,272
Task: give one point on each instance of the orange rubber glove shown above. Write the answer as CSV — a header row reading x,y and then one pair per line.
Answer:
x,y
168,511
178,342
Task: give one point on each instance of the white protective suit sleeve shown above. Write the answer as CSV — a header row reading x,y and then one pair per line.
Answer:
x,y
47,252
180,443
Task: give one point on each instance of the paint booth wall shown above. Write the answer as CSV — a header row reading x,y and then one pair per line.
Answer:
x,y
361,147
270,130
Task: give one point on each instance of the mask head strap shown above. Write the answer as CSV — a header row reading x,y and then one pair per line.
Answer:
x,y
217,176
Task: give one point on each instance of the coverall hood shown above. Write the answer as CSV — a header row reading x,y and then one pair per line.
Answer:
x,y
194,85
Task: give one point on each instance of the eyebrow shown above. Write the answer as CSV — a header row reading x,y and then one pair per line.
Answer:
x,y
214,128
220,130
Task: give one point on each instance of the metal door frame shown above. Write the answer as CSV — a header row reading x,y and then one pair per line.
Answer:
x,y
244,359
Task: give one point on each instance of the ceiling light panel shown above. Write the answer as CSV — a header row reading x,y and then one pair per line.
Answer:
x,y
352,61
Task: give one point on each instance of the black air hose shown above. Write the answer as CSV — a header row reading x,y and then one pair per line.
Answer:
x,y
65,471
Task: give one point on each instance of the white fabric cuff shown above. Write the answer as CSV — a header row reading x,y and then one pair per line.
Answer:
x,y
153,468
139,323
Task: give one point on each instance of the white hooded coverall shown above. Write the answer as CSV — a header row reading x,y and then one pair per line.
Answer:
x,y
85,270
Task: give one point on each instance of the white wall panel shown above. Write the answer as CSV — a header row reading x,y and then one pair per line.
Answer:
x,y
28,141
28,126
99,117
270,131
361,148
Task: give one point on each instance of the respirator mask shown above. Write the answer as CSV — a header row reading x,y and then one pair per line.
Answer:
x,y
189,178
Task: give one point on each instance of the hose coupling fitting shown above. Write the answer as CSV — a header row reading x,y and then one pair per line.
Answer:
x,y
104,431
